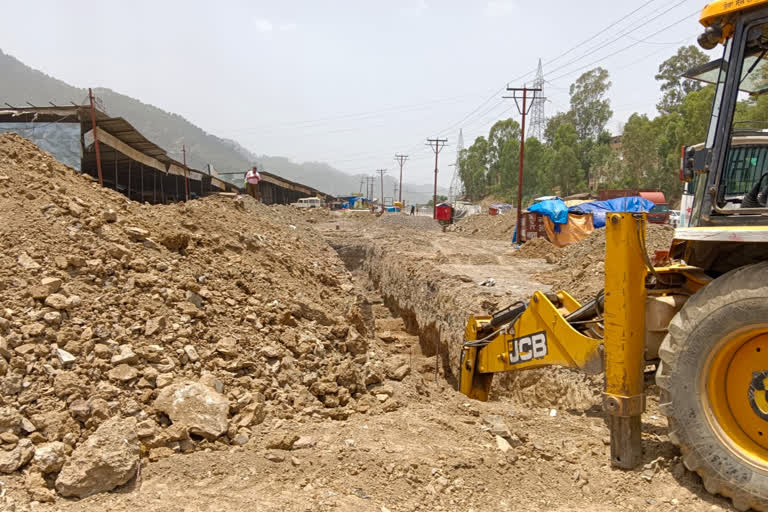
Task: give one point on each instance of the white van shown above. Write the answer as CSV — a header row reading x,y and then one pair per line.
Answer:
x,y
308,202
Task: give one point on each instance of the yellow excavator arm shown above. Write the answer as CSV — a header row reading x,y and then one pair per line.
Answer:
x,y
540,333
606,334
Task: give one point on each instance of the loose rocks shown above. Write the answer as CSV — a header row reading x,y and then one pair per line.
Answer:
x,y
49,457
15,459
196,408
106,460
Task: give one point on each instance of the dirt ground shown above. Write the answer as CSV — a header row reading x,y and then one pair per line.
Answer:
x,y
431,451
326,342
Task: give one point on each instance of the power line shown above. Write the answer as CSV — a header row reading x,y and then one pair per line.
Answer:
x,y
625,48
517,79
599,33
312,123
624,34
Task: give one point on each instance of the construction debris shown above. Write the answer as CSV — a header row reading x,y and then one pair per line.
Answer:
x,y
137,304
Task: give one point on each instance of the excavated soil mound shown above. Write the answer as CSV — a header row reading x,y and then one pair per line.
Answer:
x,y
195,321
580,267
539,248
488,227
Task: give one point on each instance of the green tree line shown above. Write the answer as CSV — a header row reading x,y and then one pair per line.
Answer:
x,y
578,154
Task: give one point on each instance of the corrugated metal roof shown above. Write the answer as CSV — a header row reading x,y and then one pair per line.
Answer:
x,y
116,126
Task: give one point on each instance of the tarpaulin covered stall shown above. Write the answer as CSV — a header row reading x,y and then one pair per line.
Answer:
x,y
598,209
577,228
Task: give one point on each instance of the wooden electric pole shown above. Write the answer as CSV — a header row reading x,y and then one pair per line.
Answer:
x,y
96,139
186,172
437,146
401,160
523,112
381,173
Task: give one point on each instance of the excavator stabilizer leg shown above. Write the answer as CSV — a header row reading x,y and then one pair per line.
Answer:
x,y
624,398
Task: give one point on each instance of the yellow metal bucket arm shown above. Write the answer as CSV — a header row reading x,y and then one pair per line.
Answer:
x,y
539,337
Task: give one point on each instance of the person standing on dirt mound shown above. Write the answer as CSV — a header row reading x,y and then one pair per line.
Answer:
x,y
252,179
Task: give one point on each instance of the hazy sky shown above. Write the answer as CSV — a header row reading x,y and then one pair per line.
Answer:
x,y
352,82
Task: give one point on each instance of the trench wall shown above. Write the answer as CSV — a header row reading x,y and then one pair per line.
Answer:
x,y
435,306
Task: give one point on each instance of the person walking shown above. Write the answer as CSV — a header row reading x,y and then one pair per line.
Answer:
x,y
413,210
252,179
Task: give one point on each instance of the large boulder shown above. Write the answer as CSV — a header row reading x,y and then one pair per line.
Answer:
x,y
107,459
195,407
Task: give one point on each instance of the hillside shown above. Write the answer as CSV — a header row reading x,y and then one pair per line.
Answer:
x,y
23,84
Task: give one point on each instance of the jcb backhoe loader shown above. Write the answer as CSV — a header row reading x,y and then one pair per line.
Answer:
x,y
701,320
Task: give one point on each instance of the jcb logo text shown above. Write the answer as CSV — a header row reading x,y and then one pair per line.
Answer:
x,y
527,348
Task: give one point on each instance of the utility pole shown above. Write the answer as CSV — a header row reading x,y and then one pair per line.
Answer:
x,y
401,160
96,139
438,146
369,187
381,173
186,173
523,112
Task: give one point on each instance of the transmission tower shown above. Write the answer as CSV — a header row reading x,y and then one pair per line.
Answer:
x,y
538,121
457,186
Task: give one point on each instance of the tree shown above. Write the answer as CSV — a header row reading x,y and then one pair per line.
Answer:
x,y
440,199
473,167
638,146
590,109
598,159
566,168
503,141
553,123
674,86
537,177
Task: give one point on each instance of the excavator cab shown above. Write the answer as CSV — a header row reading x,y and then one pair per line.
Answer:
x,y
701,320
724,195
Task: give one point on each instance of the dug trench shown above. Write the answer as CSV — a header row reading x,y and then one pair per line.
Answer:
x,y
434,297
431,281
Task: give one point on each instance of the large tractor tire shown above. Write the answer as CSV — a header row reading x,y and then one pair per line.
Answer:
x,y
714,380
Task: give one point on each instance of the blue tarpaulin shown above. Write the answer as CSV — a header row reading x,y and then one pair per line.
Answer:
x,y
350,200
598,209
555,209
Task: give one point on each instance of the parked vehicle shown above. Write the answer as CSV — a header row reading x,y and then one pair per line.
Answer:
x,y
674,217
308,202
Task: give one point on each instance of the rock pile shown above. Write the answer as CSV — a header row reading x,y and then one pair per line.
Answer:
x,y
538,248
130,329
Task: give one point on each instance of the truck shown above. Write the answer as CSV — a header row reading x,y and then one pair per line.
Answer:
x,y
659,214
